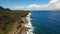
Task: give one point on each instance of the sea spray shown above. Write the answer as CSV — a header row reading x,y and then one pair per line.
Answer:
x,y
29,25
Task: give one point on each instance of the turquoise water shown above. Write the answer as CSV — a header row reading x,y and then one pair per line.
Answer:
x,y
46,22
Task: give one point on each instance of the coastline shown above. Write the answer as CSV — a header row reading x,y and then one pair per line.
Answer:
x,y
27,24
27,27
18,21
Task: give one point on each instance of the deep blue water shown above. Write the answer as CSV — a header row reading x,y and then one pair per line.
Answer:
x,y
46,22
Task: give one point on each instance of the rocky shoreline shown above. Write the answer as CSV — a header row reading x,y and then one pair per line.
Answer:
x,y
15,21
20,27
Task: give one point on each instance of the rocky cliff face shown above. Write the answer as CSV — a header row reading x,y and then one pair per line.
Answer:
x,y
20,28
13,21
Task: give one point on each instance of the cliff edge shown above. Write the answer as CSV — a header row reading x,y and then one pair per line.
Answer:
x,y
13,21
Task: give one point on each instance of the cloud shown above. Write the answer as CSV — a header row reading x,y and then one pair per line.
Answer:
x,y
53,4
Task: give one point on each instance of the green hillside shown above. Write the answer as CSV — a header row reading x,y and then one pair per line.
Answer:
x,y
8,17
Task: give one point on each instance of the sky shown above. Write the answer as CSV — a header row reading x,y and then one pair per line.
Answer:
x,y
31,4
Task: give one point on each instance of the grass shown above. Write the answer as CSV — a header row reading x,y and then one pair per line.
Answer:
x,y
8,18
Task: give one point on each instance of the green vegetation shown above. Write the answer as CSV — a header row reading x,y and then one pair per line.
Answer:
x,y
8,18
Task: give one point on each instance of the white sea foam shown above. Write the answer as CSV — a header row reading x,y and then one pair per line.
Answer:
x,y
29,24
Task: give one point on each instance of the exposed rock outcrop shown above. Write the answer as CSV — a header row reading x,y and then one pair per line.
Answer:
x,y
19,27
13,21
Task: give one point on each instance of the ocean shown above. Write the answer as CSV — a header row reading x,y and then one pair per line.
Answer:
x,y
45,21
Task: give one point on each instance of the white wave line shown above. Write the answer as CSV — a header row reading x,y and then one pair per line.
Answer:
x,y
29,24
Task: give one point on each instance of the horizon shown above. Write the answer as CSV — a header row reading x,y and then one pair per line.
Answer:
x,y
31,5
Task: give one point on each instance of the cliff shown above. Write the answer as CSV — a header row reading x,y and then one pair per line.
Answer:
x,y
12,21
